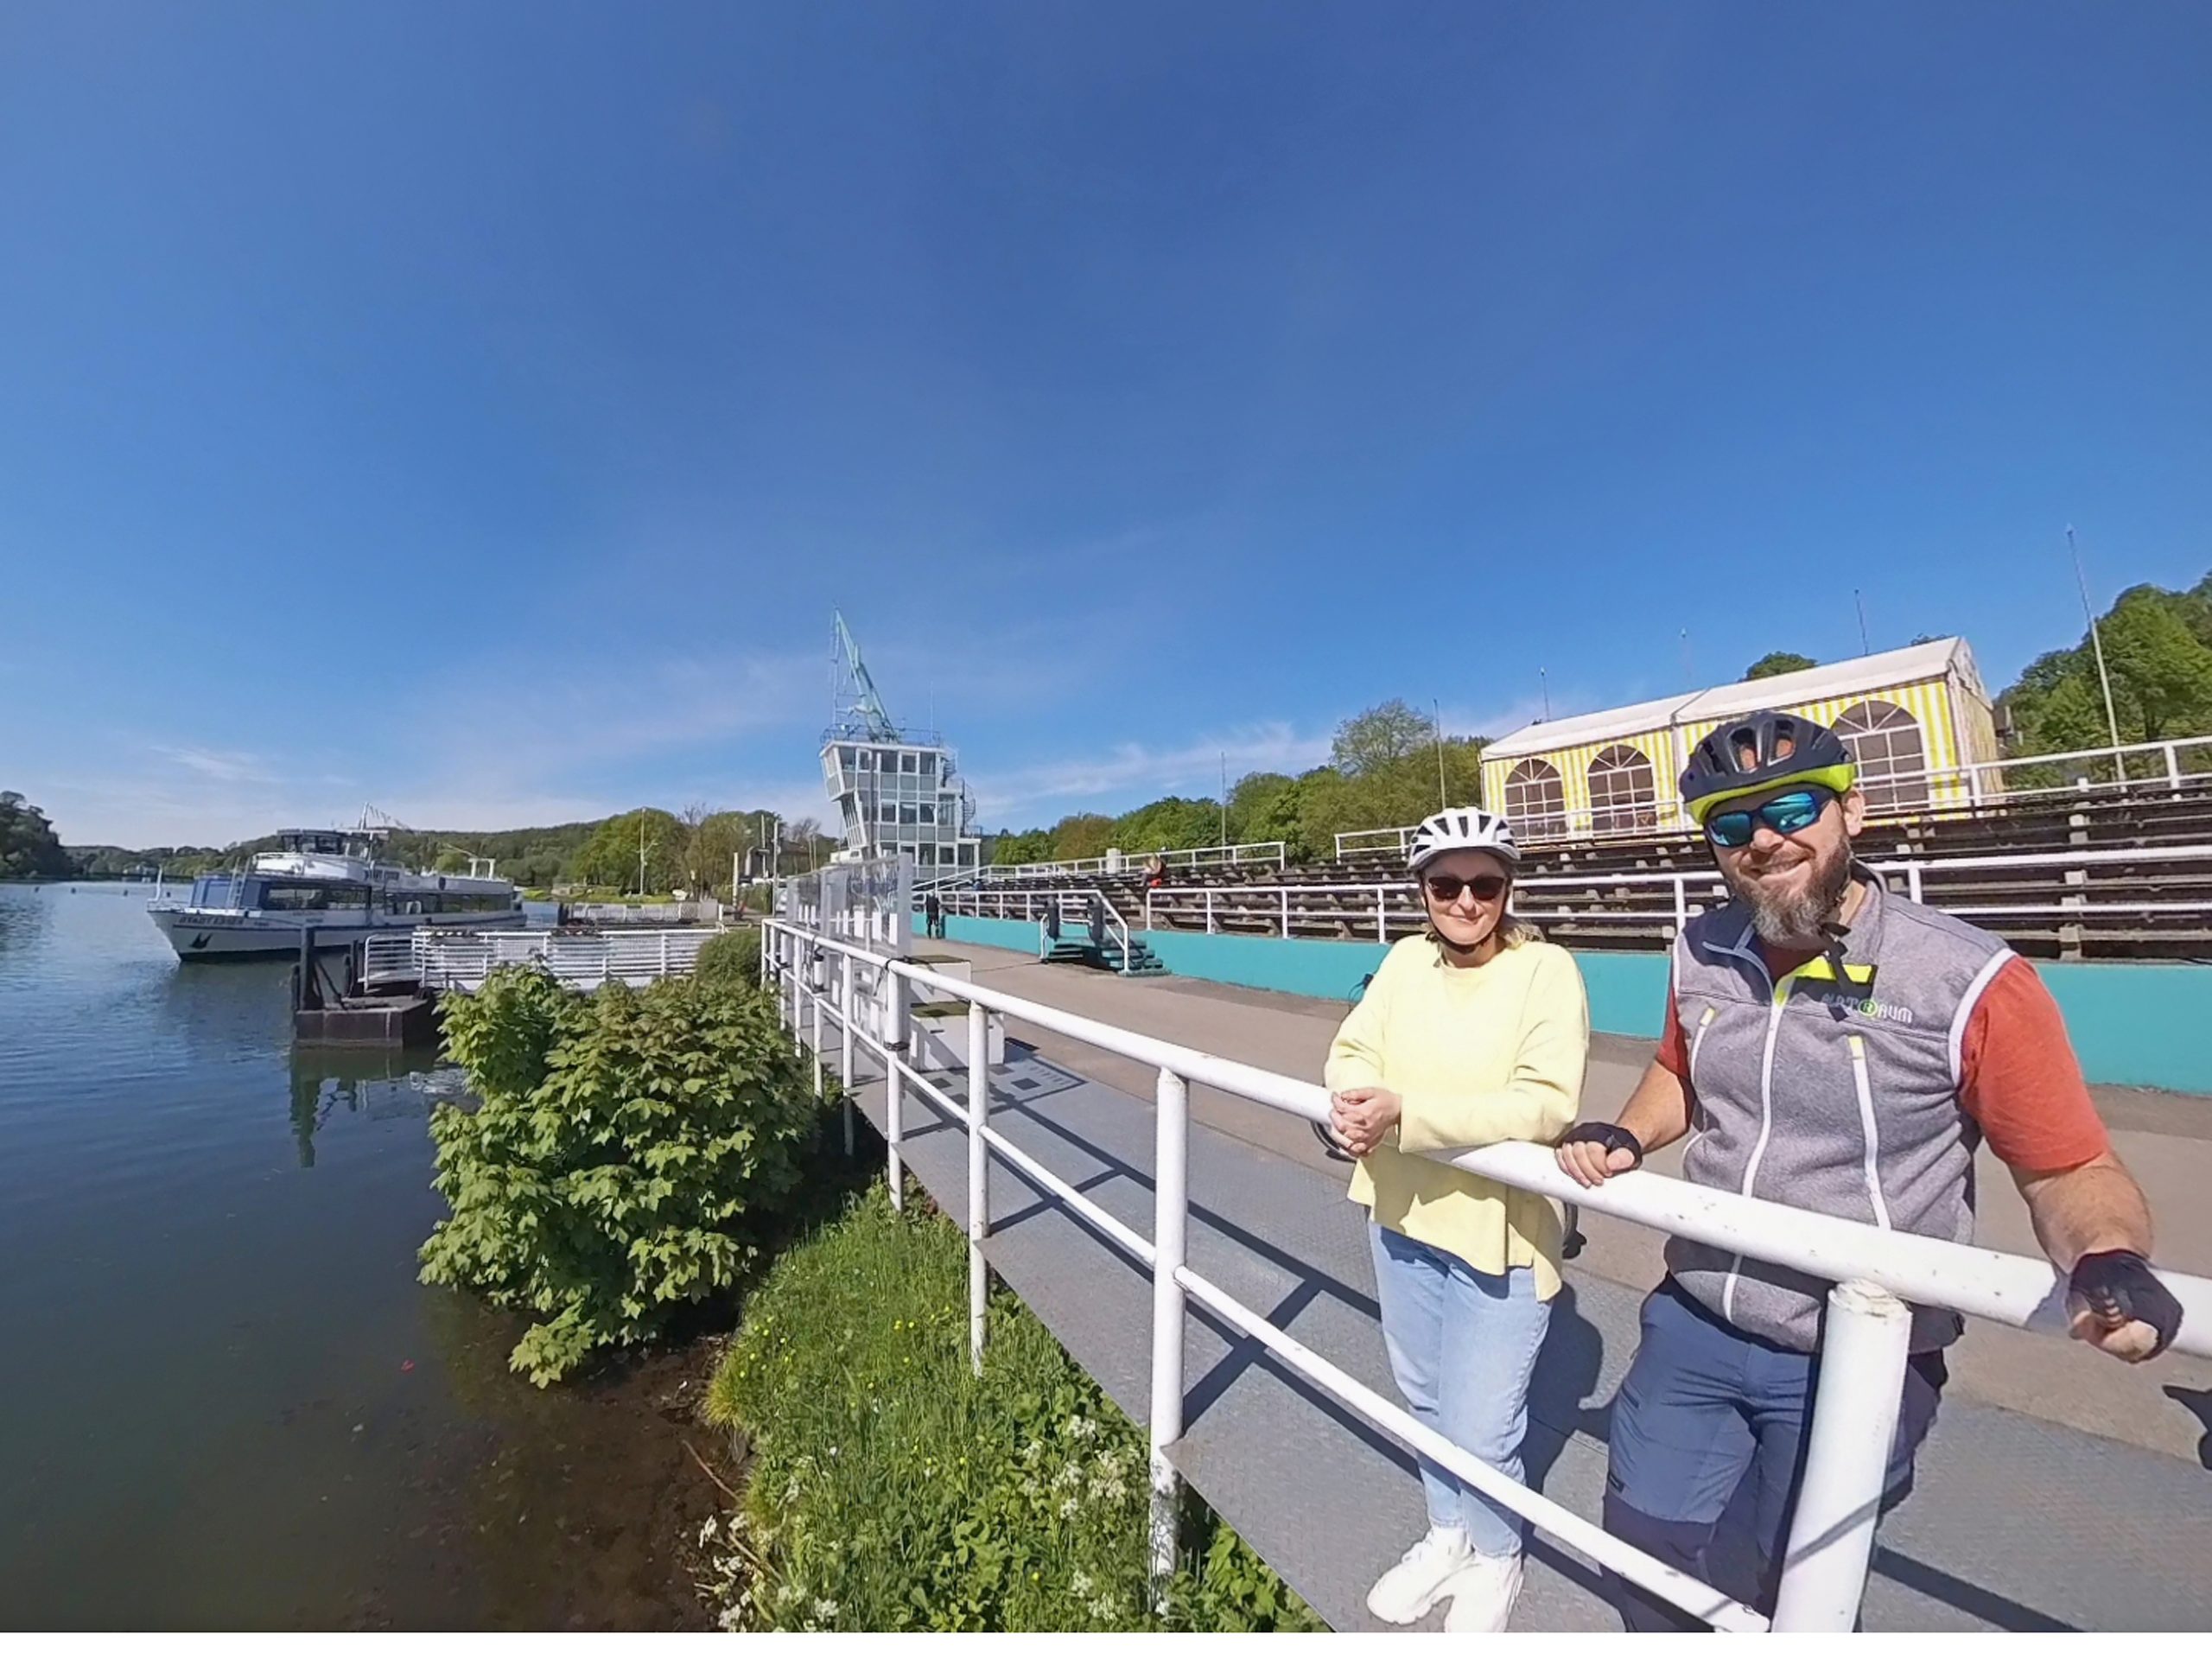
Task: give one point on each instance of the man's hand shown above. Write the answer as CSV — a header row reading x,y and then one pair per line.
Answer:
x,y
1594,1152
1361,1117
2116,1303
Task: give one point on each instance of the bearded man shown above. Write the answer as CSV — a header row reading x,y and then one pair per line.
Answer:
x,y
1840,1049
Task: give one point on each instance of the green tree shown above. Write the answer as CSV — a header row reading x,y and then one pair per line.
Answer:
x,y
610,858
1172,822
1266,806
1081,835
1030,847
1375,737
2159,659
28,848
1779,662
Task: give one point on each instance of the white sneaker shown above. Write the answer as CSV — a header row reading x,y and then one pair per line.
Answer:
x,y
1418,1581
1483,1593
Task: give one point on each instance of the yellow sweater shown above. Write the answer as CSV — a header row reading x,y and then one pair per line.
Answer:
x,y
1476,1055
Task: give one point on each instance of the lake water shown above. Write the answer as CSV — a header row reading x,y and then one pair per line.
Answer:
x,y
225,1402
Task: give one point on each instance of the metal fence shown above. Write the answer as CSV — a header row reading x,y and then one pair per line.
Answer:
x,y
1181,858
1657,896
2132,768
688,910
1875,1272
438,959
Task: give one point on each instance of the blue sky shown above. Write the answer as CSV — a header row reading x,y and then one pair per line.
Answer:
x,y
478,410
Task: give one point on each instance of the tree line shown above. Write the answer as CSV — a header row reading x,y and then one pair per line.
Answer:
x,y
1387,766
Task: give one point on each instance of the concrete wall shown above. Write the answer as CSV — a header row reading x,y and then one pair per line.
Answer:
x,y
2148,1024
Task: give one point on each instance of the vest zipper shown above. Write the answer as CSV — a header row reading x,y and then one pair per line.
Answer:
x,y
1776,1004
1867,1124
1689,1075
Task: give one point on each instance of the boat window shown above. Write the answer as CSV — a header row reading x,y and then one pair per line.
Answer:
x,y
283,896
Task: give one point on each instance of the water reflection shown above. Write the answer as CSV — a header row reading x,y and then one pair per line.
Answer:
x,y
373,1085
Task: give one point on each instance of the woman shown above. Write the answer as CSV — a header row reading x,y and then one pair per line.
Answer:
x,y
1472,1033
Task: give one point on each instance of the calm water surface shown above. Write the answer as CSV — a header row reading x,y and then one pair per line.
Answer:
x,y
226,1401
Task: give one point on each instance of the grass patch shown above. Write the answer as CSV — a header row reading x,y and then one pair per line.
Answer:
x,y
892,1489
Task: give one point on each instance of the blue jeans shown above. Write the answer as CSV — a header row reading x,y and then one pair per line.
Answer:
x,y
1462,1346
1707,1447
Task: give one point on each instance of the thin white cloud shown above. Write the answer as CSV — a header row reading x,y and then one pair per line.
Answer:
x,y
1139,771
224,766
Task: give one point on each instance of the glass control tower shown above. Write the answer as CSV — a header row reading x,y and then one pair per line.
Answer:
x,y
897,789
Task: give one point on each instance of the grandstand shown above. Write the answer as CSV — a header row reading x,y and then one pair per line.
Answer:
x,y
2103,854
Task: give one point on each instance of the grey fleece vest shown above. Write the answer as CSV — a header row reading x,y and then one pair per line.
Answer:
x,y
1837,1096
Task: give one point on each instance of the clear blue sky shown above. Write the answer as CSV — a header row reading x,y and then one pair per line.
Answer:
x,y
478,410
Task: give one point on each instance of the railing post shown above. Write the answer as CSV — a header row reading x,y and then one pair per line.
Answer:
x,y
1208,910
891,1024
792,973
814,1001
979,1176
1912,882
1170,1210
1856,1399
2173,770
845,1043
1382,916
1284,893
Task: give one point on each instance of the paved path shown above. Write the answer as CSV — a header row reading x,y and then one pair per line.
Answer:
x,y
2023,1518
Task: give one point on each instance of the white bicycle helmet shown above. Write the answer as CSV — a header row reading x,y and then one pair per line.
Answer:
x,y
1462,828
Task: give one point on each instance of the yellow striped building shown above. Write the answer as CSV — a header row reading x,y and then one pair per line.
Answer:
x,y
1918,720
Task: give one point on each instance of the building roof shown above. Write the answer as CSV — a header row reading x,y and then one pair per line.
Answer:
x,y
1937,659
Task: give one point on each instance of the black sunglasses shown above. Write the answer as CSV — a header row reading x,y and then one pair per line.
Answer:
x,y
1445,888
1786,815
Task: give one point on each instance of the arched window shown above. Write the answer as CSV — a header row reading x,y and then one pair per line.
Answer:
x,y
1892,760
1536,800
1622,794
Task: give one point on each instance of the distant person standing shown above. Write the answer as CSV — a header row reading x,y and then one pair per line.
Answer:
x,y
933,916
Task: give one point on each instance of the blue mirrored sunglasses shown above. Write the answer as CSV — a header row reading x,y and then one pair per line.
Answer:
x,y
1785,815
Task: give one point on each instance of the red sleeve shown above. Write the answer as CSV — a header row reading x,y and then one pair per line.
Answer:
x,y
1674,1047
2019,1080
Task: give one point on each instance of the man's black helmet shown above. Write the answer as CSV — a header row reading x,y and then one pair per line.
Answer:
x,y
1756,752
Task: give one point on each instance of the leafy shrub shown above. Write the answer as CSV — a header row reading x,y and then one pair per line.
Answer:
x,y
631,1155
732,958
892,1489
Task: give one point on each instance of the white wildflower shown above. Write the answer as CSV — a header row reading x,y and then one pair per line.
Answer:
x,y
1082,1584
825,1608
1104,1608
1069,1508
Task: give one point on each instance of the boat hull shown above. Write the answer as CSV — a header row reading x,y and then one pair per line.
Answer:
x,y
206,938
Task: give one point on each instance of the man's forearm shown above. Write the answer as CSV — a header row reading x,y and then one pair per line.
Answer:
x,y
1658,1112
2079,1211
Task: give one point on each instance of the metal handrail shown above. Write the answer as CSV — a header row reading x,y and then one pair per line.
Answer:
x,y
1245,852
1666,815
1875,1271
447,959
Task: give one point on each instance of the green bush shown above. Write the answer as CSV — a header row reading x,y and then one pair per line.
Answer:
x,y
732,958
892,1489
632,1153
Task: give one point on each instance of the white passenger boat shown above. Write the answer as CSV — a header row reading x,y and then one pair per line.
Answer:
x,y
336,883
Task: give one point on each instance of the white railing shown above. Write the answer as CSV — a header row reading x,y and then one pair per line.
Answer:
x,y
1875,1272
1938,791
1675,897
438,959
688,910
1184,858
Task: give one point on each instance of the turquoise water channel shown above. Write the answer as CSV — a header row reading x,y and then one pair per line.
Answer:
x,y
226,1400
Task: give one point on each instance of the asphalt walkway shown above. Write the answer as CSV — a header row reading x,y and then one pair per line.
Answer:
x,y
2058,1489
